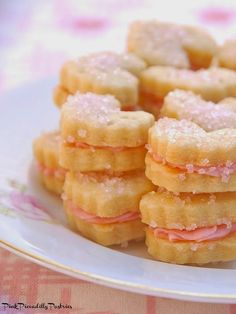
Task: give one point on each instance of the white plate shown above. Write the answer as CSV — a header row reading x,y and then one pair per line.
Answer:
x,y
32,223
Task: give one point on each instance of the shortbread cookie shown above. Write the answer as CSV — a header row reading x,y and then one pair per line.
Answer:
x,y
106,231
97,136
212,84
185,180
104,195
226,55
187,211
192,252
184,158
60,95
90,158
104,73
181,104
229,102
181,46
46,152
187,228
105,208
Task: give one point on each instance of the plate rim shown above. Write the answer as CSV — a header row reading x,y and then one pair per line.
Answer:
x,y
119,284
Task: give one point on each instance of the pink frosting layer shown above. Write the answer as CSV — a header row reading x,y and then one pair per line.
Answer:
x,y
223,171
83,215
197,235
113,149
59,173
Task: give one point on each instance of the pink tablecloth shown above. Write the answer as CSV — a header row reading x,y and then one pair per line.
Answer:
x,y
23,281
35,38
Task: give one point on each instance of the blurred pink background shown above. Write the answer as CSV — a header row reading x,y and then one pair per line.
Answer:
x,y
37,36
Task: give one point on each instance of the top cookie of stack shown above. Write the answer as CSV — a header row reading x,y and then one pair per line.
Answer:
x,y
179,57
167,44
101,73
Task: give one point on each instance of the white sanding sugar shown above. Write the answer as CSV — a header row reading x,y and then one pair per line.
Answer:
x,y
194,246
82,132
206,114
97,109
153,224
188,135
182,176
176,226
164,41
108,184
224,221
116,184
103,62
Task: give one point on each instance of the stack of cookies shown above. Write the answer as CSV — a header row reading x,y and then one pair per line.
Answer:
x,y
99,156
46,151
103,149
191,216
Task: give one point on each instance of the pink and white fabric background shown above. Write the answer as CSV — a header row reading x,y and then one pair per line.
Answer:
x,y
36,37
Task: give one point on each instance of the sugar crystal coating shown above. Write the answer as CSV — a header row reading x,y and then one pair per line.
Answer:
x,y
153,224
194,246
103,62
97,109
82,133
187,147
212,84
102,73
185,131
107,183
90,119
182,177
170,44
179,130
208,115
212,76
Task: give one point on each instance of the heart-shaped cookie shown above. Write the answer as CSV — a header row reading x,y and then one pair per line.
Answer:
x,y
102,73
181,104
98,136
181,46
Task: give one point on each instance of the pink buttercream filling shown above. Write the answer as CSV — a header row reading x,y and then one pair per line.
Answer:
x,y
113,149
197,235
47,171
223,171
83,215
